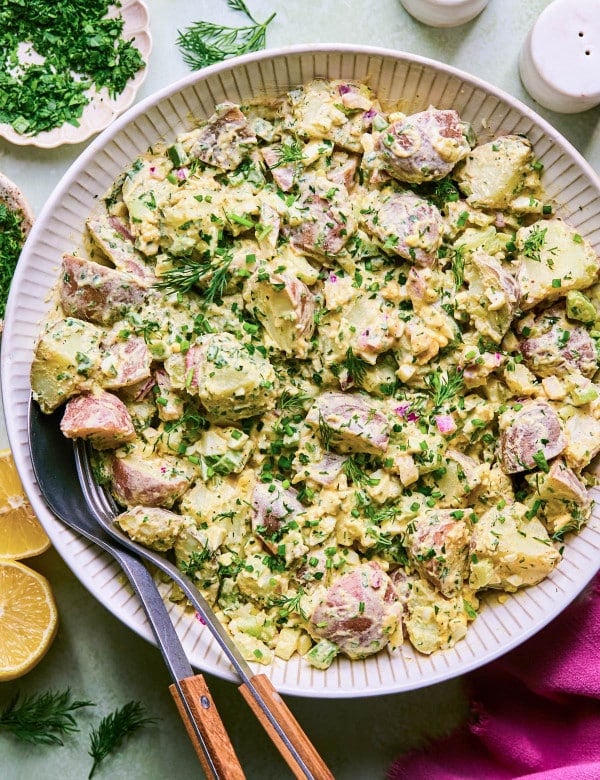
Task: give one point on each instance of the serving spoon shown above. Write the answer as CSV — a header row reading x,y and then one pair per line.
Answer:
x,y
53,464
258,691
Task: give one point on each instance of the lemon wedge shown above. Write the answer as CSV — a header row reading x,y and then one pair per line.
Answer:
x,y
21,534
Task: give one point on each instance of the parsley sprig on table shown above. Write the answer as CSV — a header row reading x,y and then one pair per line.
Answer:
x,y
205,43
78,48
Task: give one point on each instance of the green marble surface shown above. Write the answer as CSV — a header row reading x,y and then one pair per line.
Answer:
x,y
96,655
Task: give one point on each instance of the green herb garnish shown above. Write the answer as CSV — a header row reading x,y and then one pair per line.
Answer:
x,y
443,388
540,460
444,191
42,719
292,403
288,604
289,153
113,729
326,432
205,43
355,366
534,242
79,48
457,264
189,271
11,242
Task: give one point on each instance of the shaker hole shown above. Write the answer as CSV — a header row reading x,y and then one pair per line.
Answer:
x,y
588,52
580,34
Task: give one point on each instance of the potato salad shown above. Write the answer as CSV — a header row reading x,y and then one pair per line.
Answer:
x,y
339,363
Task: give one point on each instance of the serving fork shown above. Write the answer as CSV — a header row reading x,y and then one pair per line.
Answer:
x,y
53,464
65,476
258,691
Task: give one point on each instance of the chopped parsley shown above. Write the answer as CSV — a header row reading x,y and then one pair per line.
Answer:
x,y
78,48
11,241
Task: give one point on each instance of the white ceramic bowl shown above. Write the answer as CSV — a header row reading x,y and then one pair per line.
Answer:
x,y
415,83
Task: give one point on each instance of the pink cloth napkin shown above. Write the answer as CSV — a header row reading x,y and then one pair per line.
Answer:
x,y
535,713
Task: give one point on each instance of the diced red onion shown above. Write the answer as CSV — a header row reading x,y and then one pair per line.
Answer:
x,y
445,423
404,411
344,89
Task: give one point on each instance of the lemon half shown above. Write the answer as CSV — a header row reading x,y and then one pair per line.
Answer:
x,y
28,619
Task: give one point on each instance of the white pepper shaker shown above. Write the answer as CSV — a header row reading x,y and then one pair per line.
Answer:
x,y
559,62
444,13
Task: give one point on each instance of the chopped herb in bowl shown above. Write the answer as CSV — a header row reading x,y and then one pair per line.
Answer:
x,y
15,224
51,54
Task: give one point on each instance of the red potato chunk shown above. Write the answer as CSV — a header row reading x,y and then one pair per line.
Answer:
x,y
276,518
284,175
170,404
559,347
343,169
225,140
407,225
96,293
99,417
149,481
116,241
349,423
125,363
530,436
439,548
359,612
326,217
423,147
492,297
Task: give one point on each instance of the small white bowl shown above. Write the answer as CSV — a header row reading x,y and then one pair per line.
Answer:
x,y
444,13
102,109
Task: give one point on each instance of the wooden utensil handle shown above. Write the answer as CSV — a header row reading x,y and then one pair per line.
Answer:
x,y
290,726
210,725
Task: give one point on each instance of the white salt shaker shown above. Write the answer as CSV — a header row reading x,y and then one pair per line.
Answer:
x,y
444,13
560,59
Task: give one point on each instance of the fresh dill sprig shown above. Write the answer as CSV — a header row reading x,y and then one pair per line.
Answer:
x,y
355,471
41,719
292,403
443,388
288,604
382,540
355,366
188,272
534,242
444,191
205,43
326,432
114,728
289,153
377,514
